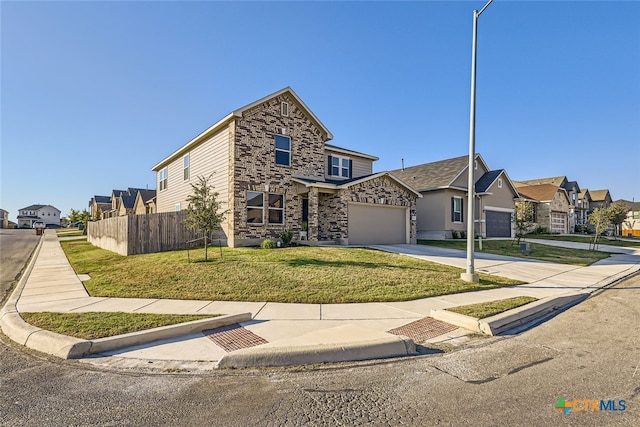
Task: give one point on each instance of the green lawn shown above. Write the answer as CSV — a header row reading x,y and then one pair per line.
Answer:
x,y
95,325
293,275
486,309
539,252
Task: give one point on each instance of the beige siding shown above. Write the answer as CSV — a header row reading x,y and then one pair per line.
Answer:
x,y
462,181
210,157
360,166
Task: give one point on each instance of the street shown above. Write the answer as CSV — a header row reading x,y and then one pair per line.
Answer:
x,y
589,352
16,246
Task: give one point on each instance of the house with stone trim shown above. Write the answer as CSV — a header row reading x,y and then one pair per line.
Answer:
x,y
551,206
441,212
577,213
273,169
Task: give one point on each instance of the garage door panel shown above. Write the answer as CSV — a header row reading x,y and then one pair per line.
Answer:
x,y
558,222
498,224
376,225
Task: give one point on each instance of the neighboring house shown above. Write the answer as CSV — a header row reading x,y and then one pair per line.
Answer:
x,y
551,206
631,225
273,170
98,205
123,202
4,219
443,185
45,213
145,203
600,199
577,215
584,204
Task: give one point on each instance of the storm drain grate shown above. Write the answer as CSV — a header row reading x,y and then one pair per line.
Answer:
x,y
424,329
234,337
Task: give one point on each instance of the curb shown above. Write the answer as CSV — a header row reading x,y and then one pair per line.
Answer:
x,y
381,345
503,322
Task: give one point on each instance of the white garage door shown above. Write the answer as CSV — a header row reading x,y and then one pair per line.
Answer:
x,y
558,222
377,225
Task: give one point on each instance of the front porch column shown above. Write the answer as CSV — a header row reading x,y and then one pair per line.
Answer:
x,y
313,214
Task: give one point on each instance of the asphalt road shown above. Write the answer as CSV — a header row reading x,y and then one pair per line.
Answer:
x,y
15,248
591,351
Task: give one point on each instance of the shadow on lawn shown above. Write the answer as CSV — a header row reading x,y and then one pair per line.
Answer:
x,y
301,262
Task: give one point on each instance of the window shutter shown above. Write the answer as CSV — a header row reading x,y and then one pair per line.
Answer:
x,y
461,209
453,209
329,165
350,168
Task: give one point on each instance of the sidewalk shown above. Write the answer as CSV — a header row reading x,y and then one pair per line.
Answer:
x,y
262,333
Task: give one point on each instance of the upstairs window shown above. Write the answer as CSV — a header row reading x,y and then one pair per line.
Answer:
x,y
185,167
339,166
276,208
162,179
255,207
456,209
499,182
284,109
283,150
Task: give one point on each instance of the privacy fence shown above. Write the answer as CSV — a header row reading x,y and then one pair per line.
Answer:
x,y
142,234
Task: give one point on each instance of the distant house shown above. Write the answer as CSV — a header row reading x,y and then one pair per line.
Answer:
x,y
45,213
273,169
584,204
123,202
98,205
551,206
577,214
443,185
600,199
145,202
631,225
4,219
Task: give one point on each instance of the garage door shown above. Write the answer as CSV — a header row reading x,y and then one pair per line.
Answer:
x,y
498,224
558,222
377,225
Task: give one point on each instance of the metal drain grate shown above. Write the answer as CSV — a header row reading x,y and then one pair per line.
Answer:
x,y
424,329
234,337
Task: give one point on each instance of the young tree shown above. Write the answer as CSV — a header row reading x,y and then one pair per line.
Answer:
x,y
523,219
600,218
202,212
618,212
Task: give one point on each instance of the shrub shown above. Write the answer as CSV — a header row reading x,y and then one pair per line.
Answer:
x,y
268,244
286,236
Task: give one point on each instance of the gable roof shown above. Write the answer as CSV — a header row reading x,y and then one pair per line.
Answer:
x,y
599,195
238,114
554,180
635,206
435,175
346,151
336,184
488,179
102,199
541,192
38,207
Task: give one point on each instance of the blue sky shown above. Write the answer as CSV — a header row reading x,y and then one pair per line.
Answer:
x,y
93,94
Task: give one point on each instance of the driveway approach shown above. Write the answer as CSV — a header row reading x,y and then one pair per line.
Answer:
x,y
277,333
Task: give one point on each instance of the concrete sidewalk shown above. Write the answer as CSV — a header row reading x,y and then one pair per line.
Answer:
x,y
272,334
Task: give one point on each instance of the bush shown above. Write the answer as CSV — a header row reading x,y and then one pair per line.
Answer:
x,y
268,244
286,236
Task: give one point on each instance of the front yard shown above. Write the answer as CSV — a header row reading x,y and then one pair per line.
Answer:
x,y
292,275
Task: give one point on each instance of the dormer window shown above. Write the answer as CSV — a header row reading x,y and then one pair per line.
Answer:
x,y
339,166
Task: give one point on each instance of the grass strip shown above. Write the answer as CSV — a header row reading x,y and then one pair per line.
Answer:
x,y
486,309
94,325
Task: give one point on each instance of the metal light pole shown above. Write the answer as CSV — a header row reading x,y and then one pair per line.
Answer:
x,y
470,275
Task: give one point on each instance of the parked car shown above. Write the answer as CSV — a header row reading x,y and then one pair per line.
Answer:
x,y
39,224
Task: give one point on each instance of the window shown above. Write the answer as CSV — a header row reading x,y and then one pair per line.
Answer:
x,y
499,182
456,209
185,167
162,179
178,207
255,207
276,208
339,166
283,150
284,109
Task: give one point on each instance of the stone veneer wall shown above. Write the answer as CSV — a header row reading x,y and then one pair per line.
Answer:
x,y
333,212
253,164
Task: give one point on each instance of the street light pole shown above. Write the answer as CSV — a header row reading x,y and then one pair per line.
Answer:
x,y
470,275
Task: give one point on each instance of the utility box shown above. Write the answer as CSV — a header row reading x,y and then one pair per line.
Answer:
x,y
525,248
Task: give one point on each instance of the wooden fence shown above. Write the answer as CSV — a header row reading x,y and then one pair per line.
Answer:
x,y
142,234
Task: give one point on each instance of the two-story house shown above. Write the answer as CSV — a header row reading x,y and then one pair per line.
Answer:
x,y
273,170
131,201
441,212
98,205
45,213
4,219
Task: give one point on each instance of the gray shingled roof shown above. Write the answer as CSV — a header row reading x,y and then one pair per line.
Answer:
x,y
432,175
485,181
